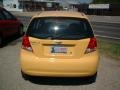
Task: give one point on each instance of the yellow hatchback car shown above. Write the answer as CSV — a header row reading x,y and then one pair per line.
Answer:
x,y
59,44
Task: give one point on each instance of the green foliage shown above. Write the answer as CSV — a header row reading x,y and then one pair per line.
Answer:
x,y
106,1
109,48
1,0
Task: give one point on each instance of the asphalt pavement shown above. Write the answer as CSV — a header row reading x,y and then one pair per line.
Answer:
x,y
107,31
108,77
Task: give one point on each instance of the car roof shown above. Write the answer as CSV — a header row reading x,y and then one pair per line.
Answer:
x,y
60,14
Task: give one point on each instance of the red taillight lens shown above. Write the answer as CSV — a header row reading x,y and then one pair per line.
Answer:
x,y
92,45
26,44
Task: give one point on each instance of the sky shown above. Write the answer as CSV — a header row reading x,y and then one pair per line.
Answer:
x,y
85,1
81,1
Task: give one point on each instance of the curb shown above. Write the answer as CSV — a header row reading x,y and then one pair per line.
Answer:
x,y
114,24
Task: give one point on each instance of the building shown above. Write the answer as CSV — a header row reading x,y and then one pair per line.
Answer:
x,y
37,5
41,5
12,5
115,9
99,9
31,5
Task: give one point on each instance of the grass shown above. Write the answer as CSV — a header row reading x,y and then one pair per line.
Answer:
x,y
109,48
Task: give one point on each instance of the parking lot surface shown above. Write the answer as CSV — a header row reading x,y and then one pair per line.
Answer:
x,y
108,77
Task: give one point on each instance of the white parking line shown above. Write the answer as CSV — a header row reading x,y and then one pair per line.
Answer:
x,y
108,37
106,32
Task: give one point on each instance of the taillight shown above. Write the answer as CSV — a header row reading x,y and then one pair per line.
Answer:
x,y
92,45
26,44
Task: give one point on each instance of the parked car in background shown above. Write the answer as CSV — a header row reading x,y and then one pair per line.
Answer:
x,y
59,44
9,25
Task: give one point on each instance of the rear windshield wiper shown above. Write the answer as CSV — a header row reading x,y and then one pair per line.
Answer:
x,y
42,36
71,36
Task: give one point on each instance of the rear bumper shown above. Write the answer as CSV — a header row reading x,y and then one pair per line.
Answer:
x,y
34,66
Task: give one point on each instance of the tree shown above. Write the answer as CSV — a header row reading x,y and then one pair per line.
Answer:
x,y
1,0
106,1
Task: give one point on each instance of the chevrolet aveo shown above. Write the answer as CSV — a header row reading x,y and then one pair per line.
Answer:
x,y
59,44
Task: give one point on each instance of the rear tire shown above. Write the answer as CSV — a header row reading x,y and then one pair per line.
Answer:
x,y
92,78
1,41
25,76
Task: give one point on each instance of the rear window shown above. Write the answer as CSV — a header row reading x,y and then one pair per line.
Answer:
x,y
60,28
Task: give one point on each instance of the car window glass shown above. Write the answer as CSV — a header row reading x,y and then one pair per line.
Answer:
x,y
8,15
1,16
60,28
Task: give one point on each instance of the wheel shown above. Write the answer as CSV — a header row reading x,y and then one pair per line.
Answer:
x,y
25,76
92,78
20,32
1,41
